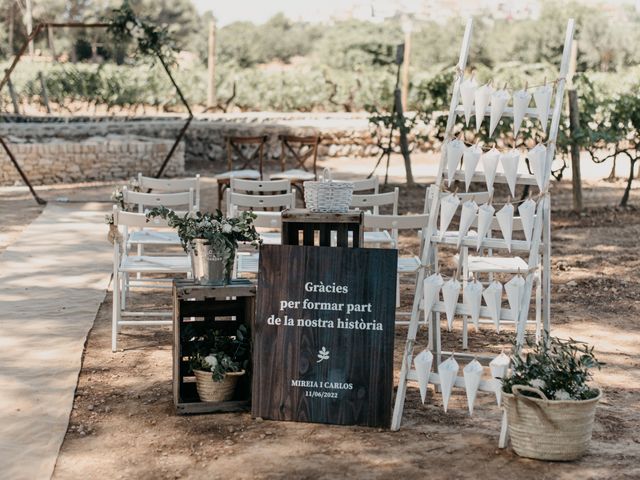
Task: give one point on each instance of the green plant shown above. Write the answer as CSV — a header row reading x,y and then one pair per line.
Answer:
x,y
221,354
559,368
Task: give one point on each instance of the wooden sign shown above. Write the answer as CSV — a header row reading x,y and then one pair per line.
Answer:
x,y
323,335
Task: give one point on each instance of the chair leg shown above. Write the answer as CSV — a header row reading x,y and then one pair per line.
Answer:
x,y
538,307
504,431
123,290
115,316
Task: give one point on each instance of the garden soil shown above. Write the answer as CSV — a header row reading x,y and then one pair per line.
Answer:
x,y
123,423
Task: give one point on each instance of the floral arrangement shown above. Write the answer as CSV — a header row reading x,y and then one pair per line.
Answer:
x,y
559,368
222,354
117,197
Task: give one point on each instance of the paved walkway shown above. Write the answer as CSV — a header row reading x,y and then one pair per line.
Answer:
x,y
52,281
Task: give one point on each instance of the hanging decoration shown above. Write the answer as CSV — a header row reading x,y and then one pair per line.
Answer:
x,y
538,161
515,294
423,362
542,97
472,297
510,161
470,161
448,372
450,294
485,218
467,216
482,99
432,285
455,150
448,207
468,93
490,164
505,220
499,100
521,100
493,298
472,373
499,368
527,210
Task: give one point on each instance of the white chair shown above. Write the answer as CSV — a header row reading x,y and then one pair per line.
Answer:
x,y
247,262
258,187
406,264
124,264
372,203
172,185
370,185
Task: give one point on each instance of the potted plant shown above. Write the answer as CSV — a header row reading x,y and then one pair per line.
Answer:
x,y
218,362
549,403
211,239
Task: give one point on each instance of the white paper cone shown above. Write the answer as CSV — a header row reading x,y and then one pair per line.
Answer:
x,y
470,162
505,220
499,101
542,96
448,206
490,165
455,150
538,160
472,375
527,211
472,296
499,368
510,161
482,99
468,93
515,293
467,216
447,371
493,298
423,362
431,291
485,217
521,100
450,294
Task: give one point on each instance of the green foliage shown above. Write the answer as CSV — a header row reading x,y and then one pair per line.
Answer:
x,y
560,369
220,354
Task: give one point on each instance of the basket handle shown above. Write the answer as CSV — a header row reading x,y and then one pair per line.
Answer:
x,y
326,175
516,389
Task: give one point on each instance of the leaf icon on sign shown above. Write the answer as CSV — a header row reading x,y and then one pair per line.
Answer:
x,y
323,354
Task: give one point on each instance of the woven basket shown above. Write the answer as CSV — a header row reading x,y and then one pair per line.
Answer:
x,y
210,391
327,196
549,429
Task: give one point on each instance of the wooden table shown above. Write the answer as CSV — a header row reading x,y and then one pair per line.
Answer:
x,y
203,307
297,223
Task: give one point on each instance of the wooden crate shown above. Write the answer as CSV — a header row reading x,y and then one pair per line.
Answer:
x,y
197,307
302,227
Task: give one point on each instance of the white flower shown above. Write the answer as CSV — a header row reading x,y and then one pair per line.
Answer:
x,y
562,395
226,228
538,383
212,361
129,25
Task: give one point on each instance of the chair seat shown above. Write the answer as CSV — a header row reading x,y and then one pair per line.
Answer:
x,y
382,236
154,237
247,262
271,238
408,264
247,174
496,264
293,174
151,264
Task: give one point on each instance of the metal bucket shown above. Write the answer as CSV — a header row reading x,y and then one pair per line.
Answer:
x,y
209,268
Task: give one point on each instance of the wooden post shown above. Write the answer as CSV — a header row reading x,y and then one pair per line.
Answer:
x,y
211,81
14,97
28,20
574,131
405,62
52,46
12,14
45,95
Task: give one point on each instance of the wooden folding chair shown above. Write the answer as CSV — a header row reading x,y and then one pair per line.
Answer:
x,y
303,153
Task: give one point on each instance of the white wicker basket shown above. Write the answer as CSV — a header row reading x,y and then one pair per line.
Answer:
x,y
327,196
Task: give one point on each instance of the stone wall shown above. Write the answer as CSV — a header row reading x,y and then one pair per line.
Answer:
x,y
106,158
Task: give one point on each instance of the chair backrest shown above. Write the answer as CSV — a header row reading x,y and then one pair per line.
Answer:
x,y
143,199
130,219
377,200
172,185
303,152
239,185
240,201
395,223
268,220
251,160
366,185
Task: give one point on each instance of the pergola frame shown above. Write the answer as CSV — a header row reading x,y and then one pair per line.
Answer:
x,y
46,25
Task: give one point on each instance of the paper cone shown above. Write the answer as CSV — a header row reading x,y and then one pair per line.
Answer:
x,y
431,291
447,371
527,210
469,163
505,220
450,294
490,165
455,150
515,293
521,100
448,206
510,161
538,161
499,368
467,216
485,217
468,93
493,298
472,297
499,101
482,99
542,96
423,362
472,375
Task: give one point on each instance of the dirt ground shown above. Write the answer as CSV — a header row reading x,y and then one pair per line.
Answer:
x,y
123,426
